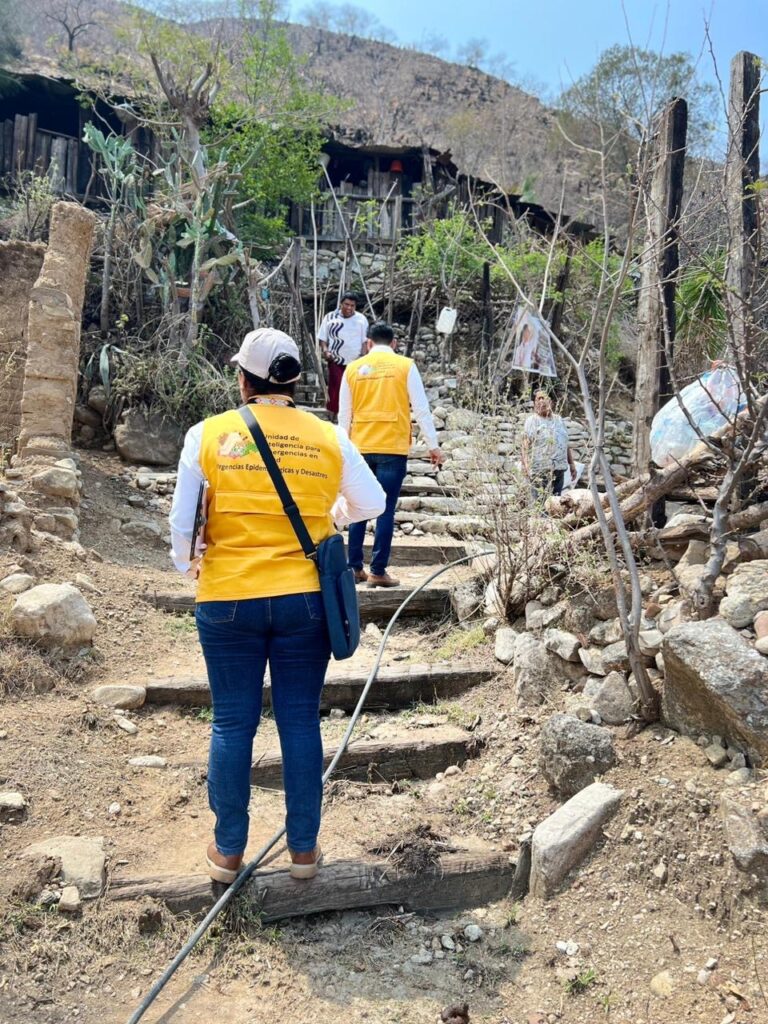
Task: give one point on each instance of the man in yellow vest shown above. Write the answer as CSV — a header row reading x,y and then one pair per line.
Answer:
x,y
378,393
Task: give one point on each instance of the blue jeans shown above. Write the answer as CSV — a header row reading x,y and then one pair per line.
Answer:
x,y
238,639
390,471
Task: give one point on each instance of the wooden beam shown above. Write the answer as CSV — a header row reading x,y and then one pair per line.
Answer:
x,y
457,880
375,604
420,754
393,688
742,170
435,553
656,302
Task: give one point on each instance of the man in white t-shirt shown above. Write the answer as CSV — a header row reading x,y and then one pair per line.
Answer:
x,y
342,336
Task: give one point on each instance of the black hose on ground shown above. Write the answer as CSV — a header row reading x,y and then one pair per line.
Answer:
x,y
246,873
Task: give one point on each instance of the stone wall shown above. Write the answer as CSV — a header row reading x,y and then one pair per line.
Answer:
x,y
20,264
53,350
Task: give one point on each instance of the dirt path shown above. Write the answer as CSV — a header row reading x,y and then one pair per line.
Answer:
x,y
70,758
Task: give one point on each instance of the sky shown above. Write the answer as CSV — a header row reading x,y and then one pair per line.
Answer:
x,y
553,42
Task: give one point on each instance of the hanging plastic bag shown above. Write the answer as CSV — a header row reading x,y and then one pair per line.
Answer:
x,y
531,347
712,400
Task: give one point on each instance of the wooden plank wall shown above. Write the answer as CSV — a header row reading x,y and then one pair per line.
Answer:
x,y
25,147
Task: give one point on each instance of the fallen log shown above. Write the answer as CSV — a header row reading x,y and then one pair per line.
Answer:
x,y
456,880
375,604
418,756
396,687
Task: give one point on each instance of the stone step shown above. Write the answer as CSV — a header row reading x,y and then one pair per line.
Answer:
x,y
394,688
416,754
376,604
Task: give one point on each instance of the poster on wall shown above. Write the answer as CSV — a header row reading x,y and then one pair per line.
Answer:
x,y
531,346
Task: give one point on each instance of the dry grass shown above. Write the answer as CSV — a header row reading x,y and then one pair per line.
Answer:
x,y
27,667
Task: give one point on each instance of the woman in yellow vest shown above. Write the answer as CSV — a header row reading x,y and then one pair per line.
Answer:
x,y
258,597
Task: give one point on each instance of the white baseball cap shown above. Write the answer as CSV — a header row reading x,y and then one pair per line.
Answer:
x,y
259,350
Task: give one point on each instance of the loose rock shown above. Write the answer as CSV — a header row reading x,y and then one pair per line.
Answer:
x,y
123,696
572,753
69,901
54,613
82,861
504,645
148,761
563,839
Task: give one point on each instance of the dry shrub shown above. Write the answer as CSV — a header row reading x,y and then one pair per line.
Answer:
x,y
27,668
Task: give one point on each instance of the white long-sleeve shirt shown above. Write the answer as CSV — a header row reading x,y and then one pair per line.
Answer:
x,y
361,494
416,395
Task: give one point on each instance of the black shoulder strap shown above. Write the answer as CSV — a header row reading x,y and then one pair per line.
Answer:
x,y
270,464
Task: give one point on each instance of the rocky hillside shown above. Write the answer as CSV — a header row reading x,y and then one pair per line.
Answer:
x,y
395,97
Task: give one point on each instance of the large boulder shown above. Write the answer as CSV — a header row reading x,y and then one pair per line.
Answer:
x,y
716,683
55,614
572,753
147,439
746,593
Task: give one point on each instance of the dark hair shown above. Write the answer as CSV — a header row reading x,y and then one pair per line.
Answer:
x,y
348,296
381,332
260,386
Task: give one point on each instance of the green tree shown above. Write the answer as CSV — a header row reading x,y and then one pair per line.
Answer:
x,y
238,133
628,86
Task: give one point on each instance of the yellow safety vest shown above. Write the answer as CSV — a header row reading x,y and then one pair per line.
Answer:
x,y
381,409
252,548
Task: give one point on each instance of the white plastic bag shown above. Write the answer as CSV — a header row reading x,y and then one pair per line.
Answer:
x,y
712,399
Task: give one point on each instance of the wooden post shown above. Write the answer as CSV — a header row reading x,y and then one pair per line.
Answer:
x,y
19,144
58,165
72,159
486,335
306,341
656,305
31,132
7,167
742,171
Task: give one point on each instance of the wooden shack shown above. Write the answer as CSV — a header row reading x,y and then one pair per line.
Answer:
x,y
41,130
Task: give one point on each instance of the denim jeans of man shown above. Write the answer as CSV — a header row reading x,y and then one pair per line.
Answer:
x,y
390,471
239,639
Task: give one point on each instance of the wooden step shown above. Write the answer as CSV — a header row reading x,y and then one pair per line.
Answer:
x,y
432,553
457,880
439,491
396,687
419,754
375,603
